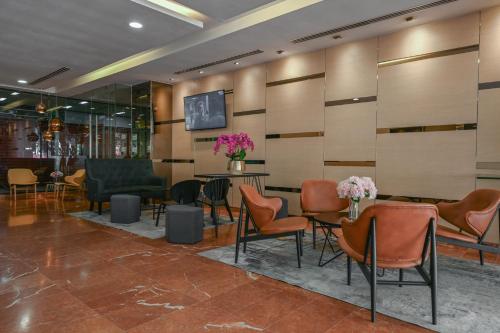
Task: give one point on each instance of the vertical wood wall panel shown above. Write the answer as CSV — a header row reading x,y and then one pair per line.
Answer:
x,y
489,49
351,70
182,171
182,142
350,132
250,88
297,65
179,91
255,127
430,37
488,127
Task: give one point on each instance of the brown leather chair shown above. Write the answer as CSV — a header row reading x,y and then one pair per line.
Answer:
x,y
76,180
262,212
473,216
21,178
392,236
320,196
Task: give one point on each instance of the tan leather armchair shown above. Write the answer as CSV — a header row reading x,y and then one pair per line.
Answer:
x,y
262,212
320,196
23,178
392,236
473,217
75,180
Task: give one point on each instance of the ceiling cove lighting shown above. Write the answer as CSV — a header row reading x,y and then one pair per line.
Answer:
x,y
68,107
84,102
175,9
15,93
135,25
121,112
21,81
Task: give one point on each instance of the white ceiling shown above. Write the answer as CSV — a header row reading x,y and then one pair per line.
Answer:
x,y
39,36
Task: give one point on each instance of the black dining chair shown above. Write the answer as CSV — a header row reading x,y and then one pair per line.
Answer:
x,y
215,194
185,192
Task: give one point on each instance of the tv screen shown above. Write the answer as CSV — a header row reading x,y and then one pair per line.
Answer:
x,y
205,111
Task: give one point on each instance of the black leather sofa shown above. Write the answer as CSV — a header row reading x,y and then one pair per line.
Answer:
x,y
106,177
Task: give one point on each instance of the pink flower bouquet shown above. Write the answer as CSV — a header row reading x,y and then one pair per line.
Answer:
x,y
236,145
56,174
357,188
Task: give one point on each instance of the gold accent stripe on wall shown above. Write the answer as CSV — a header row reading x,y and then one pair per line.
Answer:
x,y
411,199
283,189
351,163
211,139
488,165
444,53
295,135
431,128
249,112
489,85
296,79
167,122
177,161
351,101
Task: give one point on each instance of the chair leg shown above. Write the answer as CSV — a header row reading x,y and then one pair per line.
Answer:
x,y
349,270
433,272
314,232
162,206
228,209
238,234
373,273
216,222
401,276
297,240
481,257
247,220
91,208
301,243
99,207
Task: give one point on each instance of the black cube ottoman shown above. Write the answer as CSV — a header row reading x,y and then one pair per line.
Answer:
x,y
125,208
184,224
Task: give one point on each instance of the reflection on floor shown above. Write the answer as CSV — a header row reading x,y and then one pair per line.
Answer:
x,y
62,274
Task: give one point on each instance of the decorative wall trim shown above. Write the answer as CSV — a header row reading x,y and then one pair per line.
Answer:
x,y
211,139
430,128
283,189
495,177
295,135
249,112
351,163
488,165
437,54
228,91
489,85
167,122
296,79
412,199
177,161
255,161
218,62
354,100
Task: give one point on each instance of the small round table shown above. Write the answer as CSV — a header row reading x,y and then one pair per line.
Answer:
x,y
327,222
55,187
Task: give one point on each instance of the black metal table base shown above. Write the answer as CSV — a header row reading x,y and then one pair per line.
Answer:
x,y
327,231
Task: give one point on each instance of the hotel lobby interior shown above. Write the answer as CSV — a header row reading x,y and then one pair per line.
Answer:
x,y
249,166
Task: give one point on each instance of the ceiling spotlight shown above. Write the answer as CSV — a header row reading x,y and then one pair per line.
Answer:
x,y
121,112
68,107
201,72
236,63
21,81
135,25
2,99
84,102
14,93
409,18
337,37
280,51
355,99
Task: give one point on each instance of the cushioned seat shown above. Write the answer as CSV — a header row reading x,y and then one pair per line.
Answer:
x,y
286,224
451,233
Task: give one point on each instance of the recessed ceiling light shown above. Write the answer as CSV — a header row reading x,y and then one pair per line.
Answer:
x,y
21,81
121,112
409,18
68,107
2,99
355,99
84,102
201,72
135,25
15,93
236,63
337,37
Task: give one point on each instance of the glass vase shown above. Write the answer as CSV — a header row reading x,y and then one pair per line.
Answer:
x,y
353,209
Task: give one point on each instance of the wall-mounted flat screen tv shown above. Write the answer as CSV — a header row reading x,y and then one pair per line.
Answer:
x,y
205,111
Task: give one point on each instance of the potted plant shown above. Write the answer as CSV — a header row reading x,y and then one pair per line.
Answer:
x,y
236,150
356,188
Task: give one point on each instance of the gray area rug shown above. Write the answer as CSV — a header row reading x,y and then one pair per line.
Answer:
x,y
468,293
146,225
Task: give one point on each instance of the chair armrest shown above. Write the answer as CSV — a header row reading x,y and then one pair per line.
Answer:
x,y
480,220
155,180
95,185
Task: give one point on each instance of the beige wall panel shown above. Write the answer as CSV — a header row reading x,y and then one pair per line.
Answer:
x,y
218,131
293,201
434,91
296,65
162,142
250,88
291,161
182,171
162,101
163,170
223,81
179,91
255,127
205,161
238,181
433,164
295,107
488,127
350,132
493,234
181,142
351,70
490,48
430,37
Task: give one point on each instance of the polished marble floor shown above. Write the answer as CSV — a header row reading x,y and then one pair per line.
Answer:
x,y
62,274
